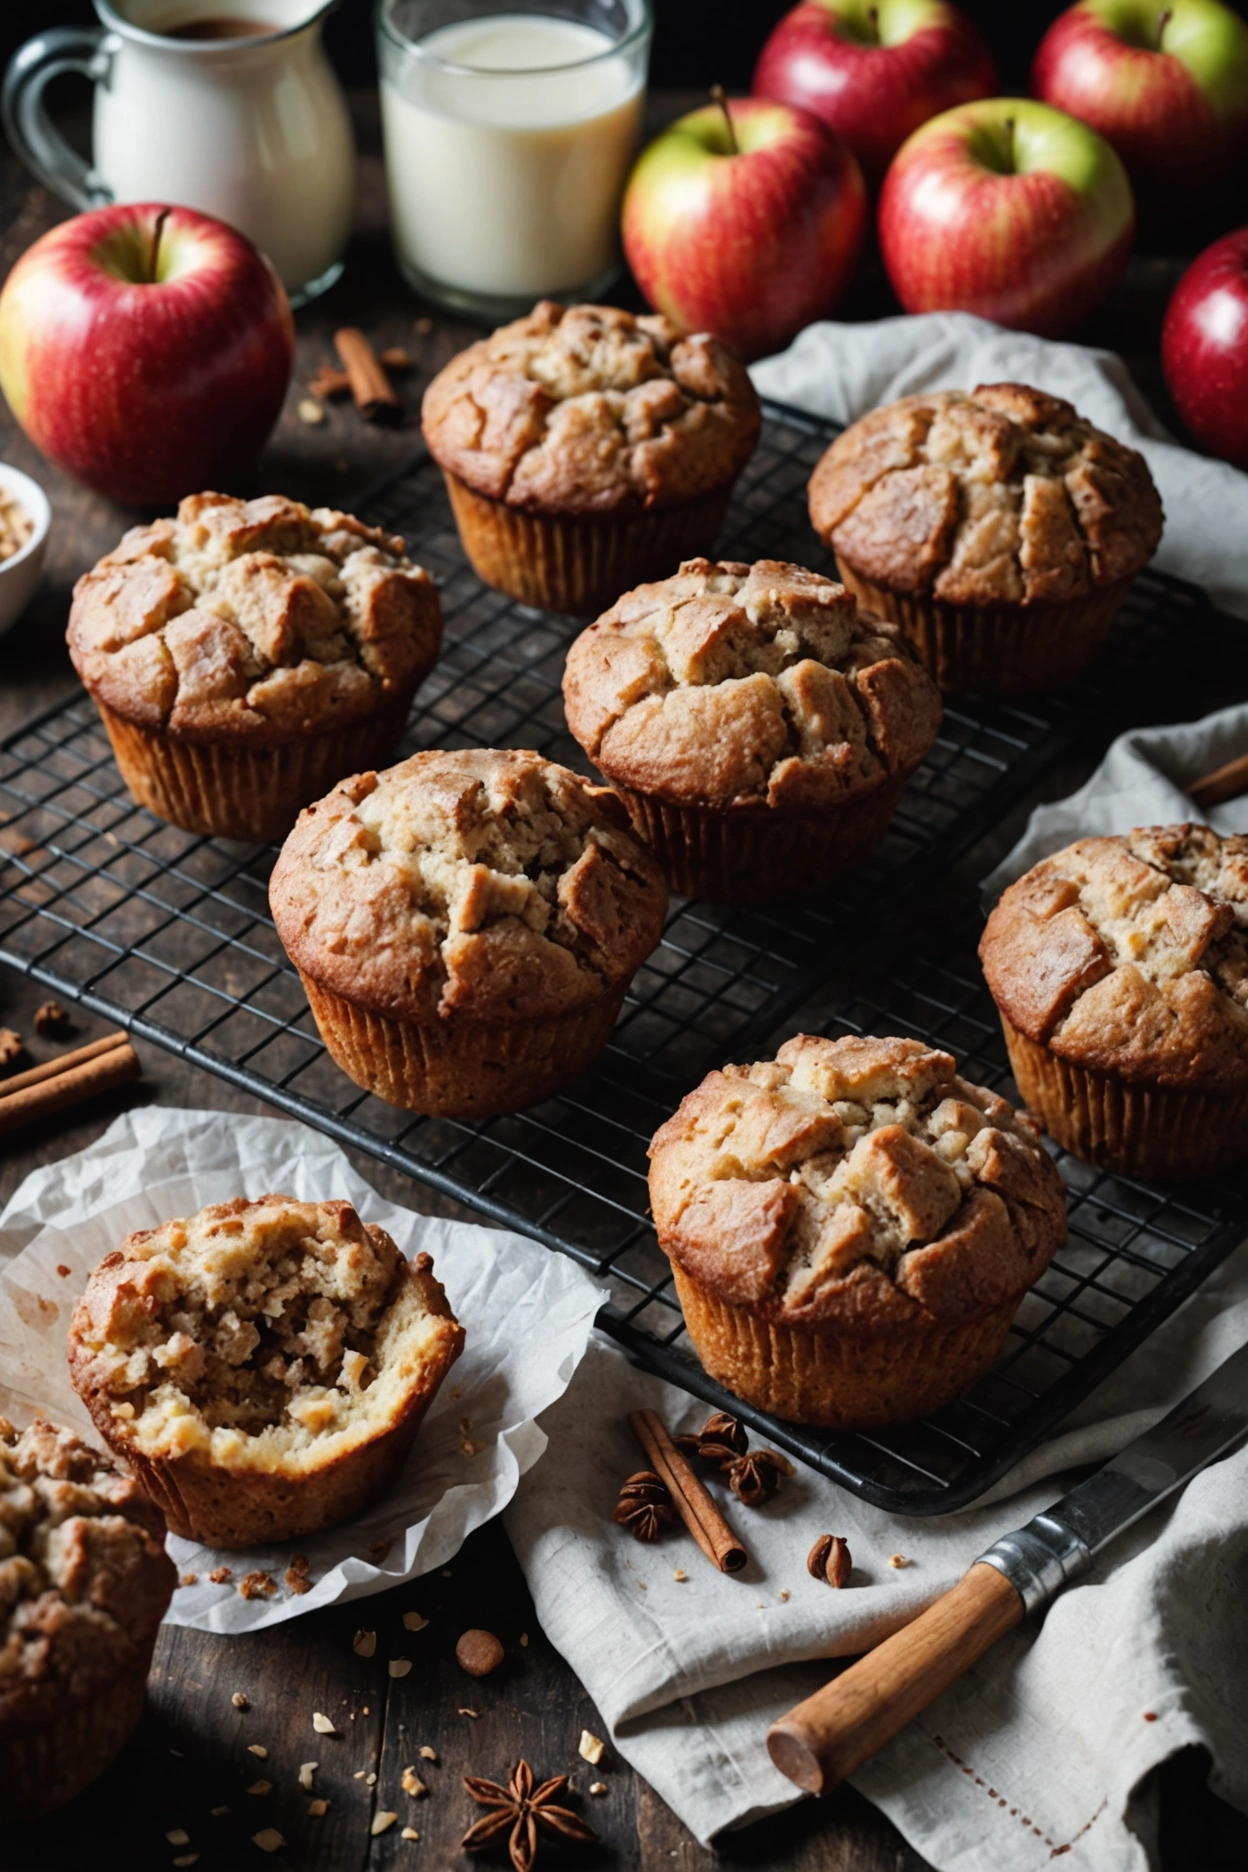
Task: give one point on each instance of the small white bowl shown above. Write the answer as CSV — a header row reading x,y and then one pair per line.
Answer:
x,y
19,574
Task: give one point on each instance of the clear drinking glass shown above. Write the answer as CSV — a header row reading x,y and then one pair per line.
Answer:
x,y
509,135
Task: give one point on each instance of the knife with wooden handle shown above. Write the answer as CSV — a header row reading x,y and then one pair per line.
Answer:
x,y
825,1738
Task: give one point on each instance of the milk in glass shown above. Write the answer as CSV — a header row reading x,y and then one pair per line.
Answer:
x,y
508,142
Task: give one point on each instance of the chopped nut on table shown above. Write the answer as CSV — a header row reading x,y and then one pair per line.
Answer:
x,y
426,1753
322,1724
414,1622
479,1653
829,1560
318,1807
260,1787
50,1017
257,1748
597,1787
10,1045
590,1748
399,1666
364,1643
268,1839
411,1783
238,1699
409,1833
899,1560
178,1836
306,1772
381,1821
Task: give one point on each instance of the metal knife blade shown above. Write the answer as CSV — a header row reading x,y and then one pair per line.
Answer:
x,y
1062,1542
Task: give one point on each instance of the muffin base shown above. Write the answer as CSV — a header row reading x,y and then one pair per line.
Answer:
x,y
1138,1130
461,1069
762,855
233,789
842,1378
580,563
996,650
45,1765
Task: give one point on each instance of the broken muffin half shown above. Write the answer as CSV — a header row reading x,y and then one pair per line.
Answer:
x,y
262,1366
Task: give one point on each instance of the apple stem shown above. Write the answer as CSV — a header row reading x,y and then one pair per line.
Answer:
x,y
720,96
873,24
1163,20
157,231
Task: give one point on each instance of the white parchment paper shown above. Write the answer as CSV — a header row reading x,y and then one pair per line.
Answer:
x,y
526,1312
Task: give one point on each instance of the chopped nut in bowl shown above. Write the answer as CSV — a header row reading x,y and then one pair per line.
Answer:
x,y
24,520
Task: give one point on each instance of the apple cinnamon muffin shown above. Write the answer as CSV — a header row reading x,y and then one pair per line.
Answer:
x,y
84,1584
758,727
1119,967
851,1227
585,449
246,654
1000,530
263,1367
466,925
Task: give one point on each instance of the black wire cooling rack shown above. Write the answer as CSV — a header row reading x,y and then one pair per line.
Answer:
x,y
170,936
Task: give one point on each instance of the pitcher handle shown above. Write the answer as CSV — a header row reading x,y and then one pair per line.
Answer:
x,y
86,49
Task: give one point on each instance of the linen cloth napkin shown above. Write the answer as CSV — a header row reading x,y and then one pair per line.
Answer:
x,y
1044,1749
842,371
527,1316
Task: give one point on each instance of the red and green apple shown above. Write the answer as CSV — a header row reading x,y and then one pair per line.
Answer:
x,y
745,220
1204,347
145,350
1009,209
1167,86
875,73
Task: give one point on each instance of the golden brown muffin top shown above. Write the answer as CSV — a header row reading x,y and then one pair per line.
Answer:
x,y
265,1330
479,884
1005,496
854,1180
84,1578
740,685
589,410
255,619
1130,955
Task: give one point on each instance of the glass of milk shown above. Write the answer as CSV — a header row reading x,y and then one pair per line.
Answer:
x,y
509,130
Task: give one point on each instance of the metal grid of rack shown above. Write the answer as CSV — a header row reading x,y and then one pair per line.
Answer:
x,y
169,935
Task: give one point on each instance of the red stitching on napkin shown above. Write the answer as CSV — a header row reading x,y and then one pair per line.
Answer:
x,y
1055,1851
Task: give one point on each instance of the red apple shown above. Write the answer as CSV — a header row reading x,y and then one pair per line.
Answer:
x,y
1009,209
745,220
146,350
875,73
1168,87
1204,347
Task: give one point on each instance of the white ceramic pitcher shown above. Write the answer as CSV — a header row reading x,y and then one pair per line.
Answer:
x,y
253,129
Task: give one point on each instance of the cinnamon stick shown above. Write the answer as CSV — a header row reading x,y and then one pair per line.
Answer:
x,y
329,382
1224,783
371,388
689,1496
67,1081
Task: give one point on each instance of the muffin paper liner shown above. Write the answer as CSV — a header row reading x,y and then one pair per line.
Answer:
x,y
464,1068
44,1765
844,1377
762,856
996,650
1139,1130
580,563
237,789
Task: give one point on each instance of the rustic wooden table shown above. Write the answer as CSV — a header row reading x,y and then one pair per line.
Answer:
x,y
188,1767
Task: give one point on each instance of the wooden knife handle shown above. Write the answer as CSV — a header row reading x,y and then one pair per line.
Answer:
x,y
826,1737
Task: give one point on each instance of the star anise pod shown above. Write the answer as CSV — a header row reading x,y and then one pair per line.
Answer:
x,y
523,1812
720,1440
645,1505
755,1477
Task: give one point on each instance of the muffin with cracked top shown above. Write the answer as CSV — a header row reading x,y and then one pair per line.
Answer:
x,y
1119,967
247,654
1000,530
84,1584
585,449
758,727
851,1226
263,1367
466,925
